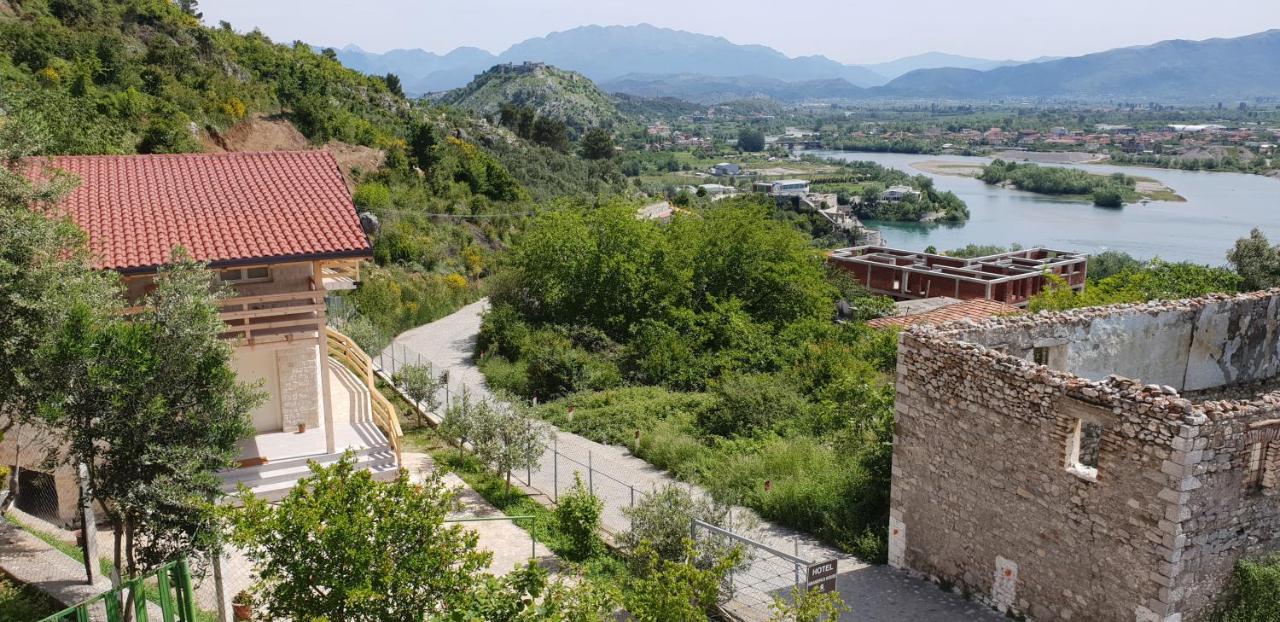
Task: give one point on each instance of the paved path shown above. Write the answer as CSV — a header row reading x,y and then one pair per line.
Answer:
x,y
874,593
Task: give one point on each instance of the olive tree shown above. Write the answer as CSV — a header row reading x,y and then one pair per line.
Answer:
x,y
420,386
504,436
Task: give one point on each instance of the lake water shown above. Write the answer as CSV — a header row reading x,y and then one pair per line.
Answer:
x,y
1220,208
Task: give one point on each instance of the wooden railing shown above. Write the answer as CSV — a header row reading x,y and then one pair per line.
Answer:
x,y
342,348
280,316
269,317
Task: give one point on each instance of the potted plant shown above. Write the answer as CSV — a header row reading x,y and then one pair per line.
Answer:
x,y
302,427
242,606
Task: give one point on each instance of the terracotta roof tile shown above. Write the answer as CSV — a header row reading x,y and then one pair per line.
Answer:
x,y
224,208
976,309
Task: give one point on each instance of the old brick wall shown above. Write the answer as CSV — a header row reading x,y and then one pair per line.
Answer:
x,y
982,498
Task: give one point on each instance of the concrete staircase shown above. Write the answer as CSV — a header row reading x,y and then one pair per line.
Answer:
x,y
289,455
274,480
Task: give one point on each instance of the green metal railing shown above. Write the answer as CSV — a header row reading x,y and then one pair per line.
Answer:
x,y
172,593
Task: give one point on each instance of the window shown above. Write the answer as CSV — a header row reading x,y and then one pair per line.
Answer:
x,y
1051,356
1263,459
1084,447
254,274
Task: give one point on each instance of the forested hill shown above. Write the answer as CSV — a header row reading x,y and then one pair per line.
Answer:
x,y
550,92
119,76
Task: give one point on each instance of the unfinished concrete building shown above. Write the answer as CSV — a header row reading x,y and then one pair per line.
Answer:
x,y
1012,277
1099,464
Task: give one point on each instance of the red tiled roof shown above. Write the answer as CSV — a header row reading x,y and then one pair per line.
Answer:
x,y
224,208
976,309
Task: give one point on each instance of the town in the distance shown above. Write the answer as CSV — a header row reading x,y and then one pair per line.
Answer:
x,y
633,322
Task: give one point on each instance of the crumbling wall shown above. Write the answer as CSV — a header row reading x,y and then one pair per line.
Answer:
x,y
1186,345
982,497
1230,516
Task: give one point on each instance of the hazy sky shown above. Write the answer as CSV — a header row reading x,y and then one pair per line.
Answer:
x,y
852,31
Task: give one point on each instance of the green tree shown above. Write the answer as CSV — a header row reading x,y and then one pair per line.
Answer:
x,y
750,140
393,84
660,524
1256,260
551,133
45,274
421,386
502,436
578,515
674,591
153,408
343,546
597,144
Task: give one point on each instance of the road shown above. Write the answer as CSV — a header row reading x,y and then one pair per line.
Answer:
x,y
874,593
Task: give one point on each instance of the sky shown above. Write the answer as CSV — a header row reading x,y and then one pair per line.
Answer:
x,y
850,31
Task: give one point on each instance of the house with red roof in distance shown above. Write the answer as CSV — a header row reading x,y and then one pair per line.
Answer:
x,y
278,230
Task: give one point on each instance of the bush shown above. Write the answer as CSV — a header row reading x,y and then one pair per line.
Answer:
x,y
672,445
578,516
556,368
501,332
504,376
1108,196
1255,595
661,519
372,195
614,416
749,403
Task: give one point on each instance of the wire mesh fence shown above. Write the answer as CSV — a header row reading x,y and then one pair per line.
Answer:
x,y
764,574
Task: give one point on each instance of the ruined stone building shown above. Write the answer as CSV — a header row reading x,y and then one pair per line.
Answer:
x,y
1099,464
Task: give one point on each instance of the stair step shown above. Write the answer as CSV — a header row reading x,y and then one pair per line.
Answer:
x,y
296,468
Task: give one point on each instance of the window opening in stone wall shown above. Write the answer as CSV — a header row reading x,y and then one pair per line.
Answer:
x,y
1040,355
1083,449
1262,460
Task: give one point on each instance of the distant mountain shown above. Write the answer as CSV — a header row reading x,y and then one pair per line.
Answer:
x,y
705,89
1179,70
605,53
936,60
552,92
421,71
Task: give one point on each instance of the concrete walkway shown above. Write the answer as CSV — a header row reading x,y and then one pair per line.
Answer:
x,y
511,544
33,561
873,593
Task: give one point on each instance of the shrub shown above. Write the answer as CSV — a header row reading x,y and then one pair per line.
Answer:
x,y
673,591
578,516
661,520
372,195
1255,595
505,376
501,332
1108,196
671,445
749,403
615,415
557,368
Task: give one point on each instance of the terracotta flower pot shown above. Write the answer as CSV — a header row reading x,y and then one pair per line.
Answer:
x,y
243,613
302,427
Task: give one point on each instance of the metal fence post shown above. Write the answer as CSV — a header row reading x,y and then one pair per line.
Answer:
x,y
555,469
633,496
591,474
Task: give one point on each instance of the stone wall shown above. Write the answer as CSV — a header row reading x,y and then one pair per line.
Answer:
x,y
987,497
300,400
983,499
1230,515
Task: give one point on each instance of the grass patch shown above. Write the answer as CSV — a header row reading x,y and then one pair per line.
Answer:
x,y
19,601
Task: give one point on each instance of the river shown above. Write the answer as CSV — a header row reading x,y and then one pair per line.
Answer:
x,y
1220,208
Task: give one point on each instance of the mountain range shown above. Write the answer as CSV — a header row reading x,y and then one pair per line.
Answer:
x,y
648,61
608,53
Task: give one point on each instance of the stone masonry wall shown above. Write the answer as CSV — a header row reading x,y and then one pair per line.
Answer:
x,y
300,384
983,498
1228,517
981,487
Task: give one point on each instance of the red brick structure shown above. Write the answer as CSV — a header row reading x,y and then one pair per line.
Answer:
x,y
1012,278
